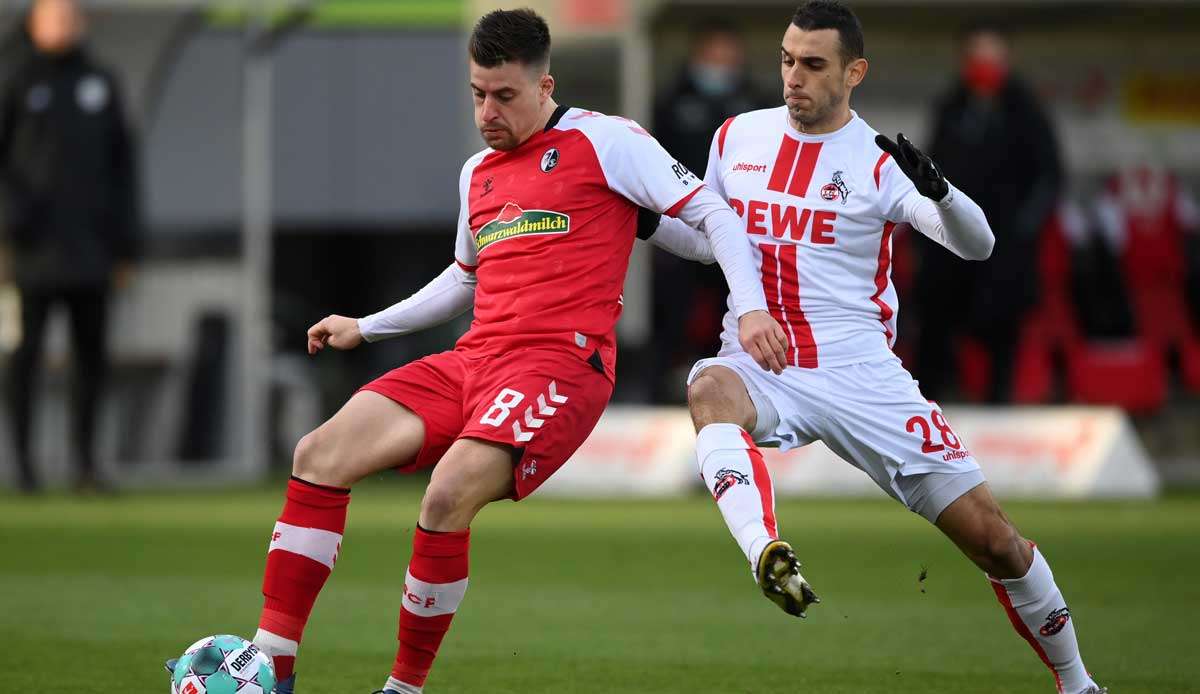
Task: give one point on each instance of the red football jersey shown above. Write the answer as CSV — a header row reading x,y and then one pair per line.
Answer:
x,y
548,228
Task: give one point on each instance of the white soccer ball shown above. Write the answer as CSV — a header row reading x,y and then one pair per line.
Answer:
x,y
223,664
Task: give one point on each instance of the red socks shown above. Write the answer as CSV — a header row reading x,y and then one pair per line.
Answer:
x,y
433,589
304,548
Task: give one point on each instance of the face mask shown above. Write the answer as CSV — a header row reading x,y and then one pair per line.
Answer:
x,y
984,77
713,80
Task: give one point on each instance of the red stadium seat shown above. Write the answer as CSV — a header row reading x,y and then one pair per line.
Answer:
x,y
1162,315
974,369
1131,374
1033,375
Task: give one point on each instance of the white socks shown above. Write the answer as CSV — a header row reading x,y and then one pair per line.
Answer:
x,y
275,646
403,687
732,468
1038,612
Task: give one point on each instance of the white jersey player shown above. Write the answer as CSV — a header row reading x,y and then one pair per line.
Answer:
x,y
819,192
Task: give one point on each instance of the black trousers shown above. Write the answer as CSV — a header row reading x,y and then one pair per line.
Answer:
x,y
87,308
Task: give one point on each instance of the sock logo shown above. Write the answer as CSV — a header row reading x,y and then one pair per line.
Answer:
x,y
1055,621
727,479
428,601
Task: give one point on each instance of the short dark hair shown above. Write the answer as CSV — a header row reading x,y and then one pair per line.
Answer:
x,y
831,14
510,36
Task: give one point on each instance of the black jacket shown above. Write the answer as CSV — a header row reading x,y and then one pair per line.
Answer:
x,y
685,118
1005,156
68,191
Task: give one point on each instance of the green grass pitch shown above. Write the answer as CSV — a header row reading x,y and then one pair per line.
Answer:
x,y
596,596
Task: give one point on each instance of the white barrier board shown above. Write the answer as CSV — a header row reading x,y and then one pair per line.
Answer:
x,y
1042,452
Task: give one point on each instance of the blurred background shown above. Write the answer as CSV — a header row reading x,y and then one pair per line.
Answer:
x,y
265,164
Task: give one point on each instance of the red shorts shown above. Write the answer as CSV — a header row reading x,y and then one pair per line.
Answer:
x,y
542,401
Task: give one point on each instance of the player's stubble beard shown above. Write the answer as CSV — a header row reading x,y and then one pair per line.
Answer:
x,y
817,115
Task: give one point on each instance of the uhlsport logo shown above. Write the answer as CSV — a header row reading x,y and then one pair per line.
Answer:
x,y
1055,621
725,480
514,221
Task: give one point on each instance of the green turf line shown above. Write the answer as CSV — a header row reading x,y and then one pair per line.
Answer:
x,y
368,14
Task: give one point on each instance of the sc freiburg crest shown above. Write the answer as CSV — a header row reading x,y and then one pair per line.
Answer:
x,y
549,160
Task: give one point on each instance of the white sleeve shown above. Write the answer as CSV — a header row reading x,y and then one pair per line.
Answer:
x,y
677,238
637,167
448,296
956,221
464,242
708,212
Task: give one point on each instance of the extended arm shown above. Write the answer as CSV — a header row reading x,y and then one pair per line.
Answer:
x,y
711,215
448,296
955,221
923,197
639,169
677,238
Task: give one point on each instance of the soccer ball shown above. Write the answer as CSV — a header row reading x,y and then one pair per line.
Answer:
x,y
223,665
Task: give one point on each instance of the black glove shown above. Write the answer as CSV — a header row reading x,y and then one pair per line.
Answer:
x,y
917,165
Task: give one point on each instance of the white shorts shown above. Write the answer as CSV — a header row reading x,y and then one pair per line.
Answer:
x,y
872,415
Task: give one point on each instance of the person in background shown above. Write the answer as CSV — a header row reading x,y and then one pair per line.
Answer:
x,y
689,299
993,139
69,211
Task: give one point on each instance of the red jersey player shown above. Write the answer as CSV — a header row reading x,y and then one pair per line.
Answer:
x,y
819,192
548,217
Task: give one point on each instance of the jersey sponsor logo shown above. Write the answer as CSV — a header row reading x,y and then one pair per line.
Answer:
x,y
773,219
727,479
1055,621
550,160
514,221
681,172
747,166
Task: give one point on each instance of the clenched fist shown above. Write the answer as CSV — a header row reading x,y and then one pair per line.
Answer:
x,y
338,332
764,340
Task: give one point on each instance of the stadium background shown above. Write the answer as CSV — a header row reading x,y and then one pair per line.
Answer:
x,y
311,172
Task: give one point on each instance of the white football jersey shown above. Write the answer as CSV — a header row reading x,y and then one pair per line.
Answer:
x,y
819,210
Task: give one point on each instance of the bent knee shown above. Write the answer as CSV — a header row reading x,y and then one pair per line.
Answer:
x,y
316,461
1001,551
445,506
715,397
